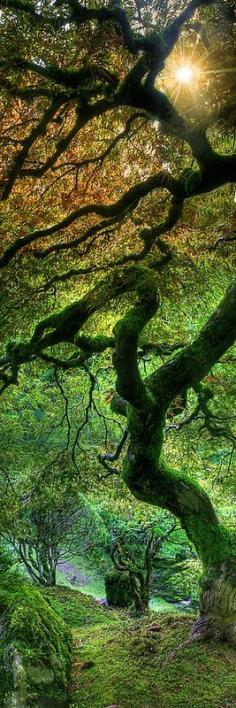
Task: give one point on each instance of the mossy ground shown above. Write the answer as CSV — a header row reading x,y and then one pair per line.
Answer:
x,y
75,608
121,662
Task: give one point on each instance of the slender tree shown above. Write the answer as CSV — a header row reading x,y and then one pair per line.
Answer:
x,y
49,528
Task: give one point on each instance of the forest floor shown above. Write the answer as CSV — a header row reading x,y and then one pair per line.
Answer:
x,y
123,662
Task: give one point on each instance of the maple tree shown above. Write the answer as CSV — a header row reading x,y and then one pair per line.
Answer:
x,y
72,74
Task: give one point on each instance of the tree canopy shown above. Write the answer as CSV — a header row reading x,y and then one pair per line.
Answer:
x,y
118,166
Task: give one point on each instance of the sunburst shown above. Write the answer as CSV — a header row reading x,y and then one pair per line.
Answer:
x,y
185,74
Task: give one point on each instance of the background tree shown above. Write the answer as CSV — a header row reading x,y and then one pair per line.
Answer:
x,y
50,525
81,73
131,581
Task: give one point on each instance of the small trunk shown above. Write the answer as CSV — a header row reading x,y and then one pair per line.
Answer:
x,y
53,577
139,591
217,618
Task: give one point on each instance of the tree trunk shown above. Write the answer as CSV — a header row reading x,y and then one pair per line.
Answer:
x,y
215,545
218,604
139,591
52,575
157,484
145,471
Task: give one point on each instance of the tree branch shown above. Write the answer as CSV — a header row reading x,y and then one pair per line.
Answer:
x,y
128,201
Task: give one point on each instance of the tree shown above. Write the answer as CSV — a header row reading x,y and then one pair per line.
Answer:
x,y
100,63
136,587
49,526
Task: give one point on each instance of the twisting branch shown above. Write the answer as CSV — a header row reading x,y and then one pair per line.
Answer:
x,y
21,156
204,394
106,458
214,424
159,348
127,331
65,416
150,237
80,164
128,201
64,326
189,367
88,408
96,229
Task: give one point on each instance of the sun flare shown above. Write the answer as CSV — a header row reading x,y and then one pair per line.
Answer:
x,y
184,74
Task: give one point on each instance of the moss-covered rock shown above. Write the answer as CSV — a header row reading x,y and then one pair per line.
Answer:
x,y
37,648
118,588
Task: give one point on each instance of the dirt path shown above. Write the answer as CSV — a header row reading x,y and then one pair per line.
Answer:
x,y
72,574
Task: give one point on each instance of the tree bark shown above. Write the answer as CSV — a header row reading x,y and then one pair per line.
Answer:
x,y
145,470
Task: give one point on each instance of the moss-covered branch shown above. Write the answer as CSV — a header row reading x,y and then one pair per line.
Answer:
x,y
195,361
127,332
65,325
146,472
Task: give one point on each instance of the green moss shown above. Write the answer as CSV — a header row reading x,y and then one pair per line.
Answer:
x,y
117,660
94,344
75,608
135,668
118,587
40,638
214,543
177,492
118,590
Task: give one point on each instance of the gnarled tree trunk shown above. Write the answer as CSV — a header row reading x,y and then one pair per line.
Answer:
x,y
146,472
218,603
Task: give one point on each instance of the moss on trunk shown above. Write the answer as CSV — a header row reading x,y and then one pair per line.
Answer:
x,y
120,589
146,472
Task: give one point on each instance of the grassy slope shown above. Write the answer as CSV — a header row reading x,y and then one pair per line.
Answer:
x,y
75,608
121,662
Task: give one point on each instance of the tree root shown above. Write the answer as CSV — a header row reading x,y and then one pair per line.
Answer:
x,y
204,630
